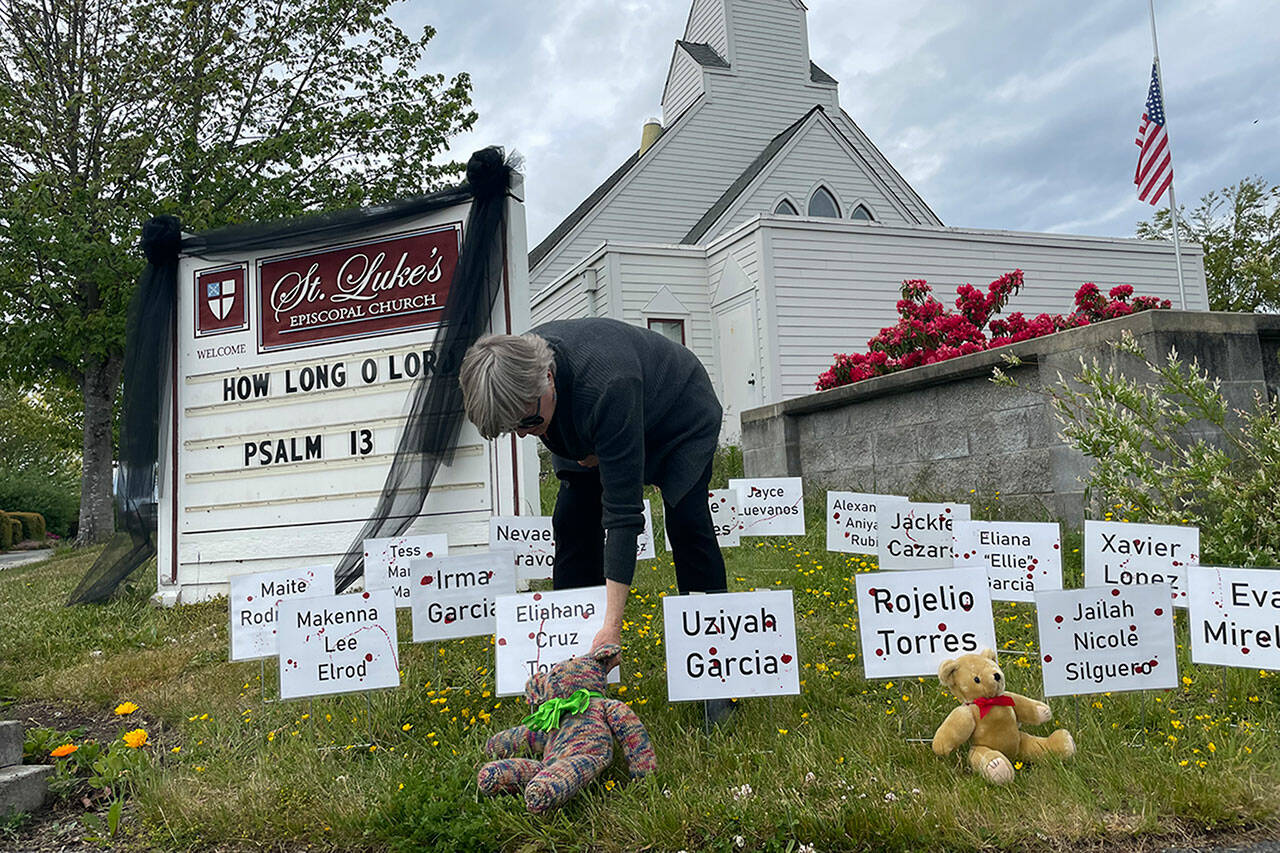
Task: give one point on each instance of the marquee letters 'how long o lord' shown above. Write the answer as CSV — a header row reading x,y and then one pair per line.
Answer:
x,y
1122,554
338,644
1100,639
731,644
911,621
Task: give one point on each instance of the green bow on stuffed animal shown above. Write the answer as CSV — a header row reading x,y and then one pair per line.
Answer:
x,y
547,717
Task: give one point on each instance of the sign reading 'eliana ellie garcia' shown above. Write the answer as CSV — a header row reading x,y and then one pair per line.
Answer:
x,y
909,622
851,521
770,506
288,398
1101,639
1121,554
538,629
1235,616
917,535
731,644
254,603
1019,557
338,644
387,562
454,596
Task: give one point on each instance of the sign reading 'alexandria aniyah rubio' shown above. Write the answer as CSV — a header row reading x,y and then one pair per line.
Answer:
x,y
391,284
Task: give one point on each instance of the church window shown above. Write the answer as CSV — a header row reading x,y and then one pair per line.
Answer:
x,y
786,208
672,330
862,213
822,203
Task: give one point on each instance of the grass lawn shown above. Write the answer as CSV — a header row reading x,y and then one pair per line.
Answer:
x,y
839,767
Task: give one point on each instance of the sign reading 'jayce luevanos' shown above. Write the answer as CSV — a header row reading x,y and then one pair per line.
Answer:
x,y
910,621
770,506
388,563
917,535
1100,639
398,282
1235,616
338,644
454,596
731,644
1121,554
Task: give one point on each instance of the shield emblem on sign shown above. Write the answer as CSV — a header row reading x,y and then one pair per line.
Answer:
x,y
221,296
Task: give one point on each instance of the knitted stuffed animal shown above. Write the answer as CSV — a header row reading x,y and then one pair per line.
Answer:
x,y
989,718
573,729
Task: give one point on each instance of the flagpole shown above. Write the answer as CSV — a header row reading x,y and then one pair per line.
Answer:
x,y
1173,206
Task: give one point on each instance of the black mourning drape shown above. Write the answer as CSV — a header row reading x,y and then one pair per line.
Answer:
x,y
435,404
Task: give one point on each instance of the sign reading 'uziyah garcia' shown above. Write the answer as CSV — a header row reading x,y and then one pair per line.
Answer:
x,y
338,644
1235,617
537,629
401,282
851,521
387,562
1100,639
254,601
910,622
454,596
770,506
917,535
1122,554
1019,557
531,538
731,644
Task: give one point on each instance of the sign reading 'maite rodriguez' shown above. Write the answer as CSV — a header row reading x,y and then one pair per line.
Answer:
x,y
254,601
338,644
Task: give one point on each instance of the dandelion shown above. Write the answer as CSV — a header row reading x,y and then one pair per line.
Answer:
x,y
401,788
64,750
609,784
176,749
406,727
135,739
125,708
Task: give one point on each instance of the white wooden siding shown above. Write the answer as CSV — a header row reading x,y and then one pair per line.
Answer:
x,y
837,284
707,25
872,155
684,85
769,38
569,299
643,273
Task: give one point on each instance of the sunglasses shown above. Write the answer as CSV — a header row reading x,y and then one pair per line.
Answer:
x,y
534,420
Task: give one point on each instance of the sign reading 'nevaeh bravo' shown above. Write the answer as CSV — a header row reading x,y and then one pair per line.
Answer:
x,y
391,284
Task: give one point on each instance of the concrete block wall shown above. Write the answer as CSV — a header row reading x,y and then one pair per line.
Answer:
x,y
943,429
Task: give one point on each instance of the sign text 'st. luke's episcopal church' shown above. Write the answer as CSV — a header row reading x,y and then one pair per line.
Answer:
x,y
758,225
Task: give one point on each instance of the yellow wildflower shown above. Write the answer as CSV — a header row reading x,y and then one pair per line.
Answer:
x,y
64,750
125,708
135,739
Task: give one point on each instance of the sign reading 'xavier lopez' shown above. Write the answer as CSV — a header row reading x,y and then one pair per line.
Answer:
x,y
397,283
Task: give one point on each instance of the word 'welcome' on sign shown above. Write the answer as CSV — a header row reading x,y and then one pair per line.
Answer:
x,y
254,602
1235,616
338,644
731,644
538,629
388,562
454,596
1100,639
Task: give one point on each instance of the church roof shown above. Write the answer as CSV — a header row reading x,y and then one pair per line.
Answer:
x,y
817,75
562,230
748,175
704,54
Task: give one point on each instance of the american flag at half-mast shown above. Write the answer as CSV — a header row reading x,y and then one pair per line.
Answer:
x,y
1155,167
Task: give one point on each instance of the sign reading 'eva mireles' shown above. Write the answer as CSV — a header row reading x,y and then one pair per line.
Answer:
x,y
1235,616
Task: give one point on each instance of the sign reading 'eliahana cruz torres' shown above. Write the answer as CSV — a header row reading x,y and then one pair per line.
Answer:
x,y
538,629
1235,616
388,562
254,602
731,644
909,622
454,596
338,644
1100,639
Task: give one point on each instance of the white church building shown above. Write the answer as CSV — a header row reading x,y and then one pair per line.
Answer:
x,y
758,225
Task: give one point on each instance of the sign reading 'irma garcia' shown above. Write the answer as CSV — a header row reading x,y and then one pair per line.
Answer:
x,y
391,284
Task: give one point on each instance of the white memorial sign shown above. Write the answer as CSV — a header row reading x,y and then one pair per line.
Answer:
x,y
1235,616
386,561
731,644
909,622
770,506
338,644
254,601
531,538
723,504
1020,557
454,596
1121,554
917,535
851,521
644,542
1101,639
537,629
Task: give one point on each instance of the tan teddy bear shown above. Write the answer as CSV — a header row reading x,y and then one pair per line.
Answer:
x,y
989,717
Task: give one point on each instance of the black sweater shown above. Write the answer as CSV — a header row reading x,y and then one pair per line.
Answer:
x,y
644,406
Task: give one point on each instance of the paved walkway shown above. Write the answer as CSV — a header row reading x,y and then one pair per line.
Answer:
x,y
18,558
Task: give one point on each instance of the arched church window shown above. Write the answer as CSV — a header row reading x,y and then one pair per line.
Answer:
x,y
786,208
861,213
823,203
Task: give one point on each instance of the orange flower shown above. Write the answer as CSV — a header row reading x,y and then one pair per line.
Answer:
x,y
64,750
125,708
135,738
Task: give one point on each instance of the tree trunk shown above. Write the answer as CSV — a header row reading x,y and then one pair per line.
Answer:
x,y
97,509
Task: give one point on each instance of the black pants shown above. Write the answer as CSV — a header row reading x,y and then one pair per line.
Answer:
x,y
580,538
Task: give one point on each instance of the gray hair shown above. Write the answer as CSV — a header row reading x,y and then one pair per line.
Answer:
x,y
501,376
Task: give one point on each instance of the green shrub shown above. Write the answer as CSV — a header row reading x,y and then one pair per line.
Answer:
x,y
15,529
6,533
59,505
33,526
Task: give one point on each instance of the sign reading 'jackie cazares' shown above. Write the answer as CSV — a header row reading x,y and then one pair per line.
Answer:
x,y
389,284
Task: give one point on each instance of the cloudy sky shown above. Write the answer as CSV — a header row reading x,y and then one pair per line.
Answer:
x,y
1001,113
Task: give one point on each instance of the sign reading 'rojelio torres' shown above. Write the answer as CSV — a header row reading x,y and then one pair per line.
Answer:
x,y
289,395
338,644
396,283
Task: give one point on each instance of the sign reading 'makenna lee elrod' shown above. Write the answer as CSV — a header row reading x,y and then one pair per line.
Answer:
x,y
1019,557
1121,554
917,535
1235,616
731,644
254,602
1100,639
338,644
289,394
538,629
770,506
454,596
909,622
387,562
